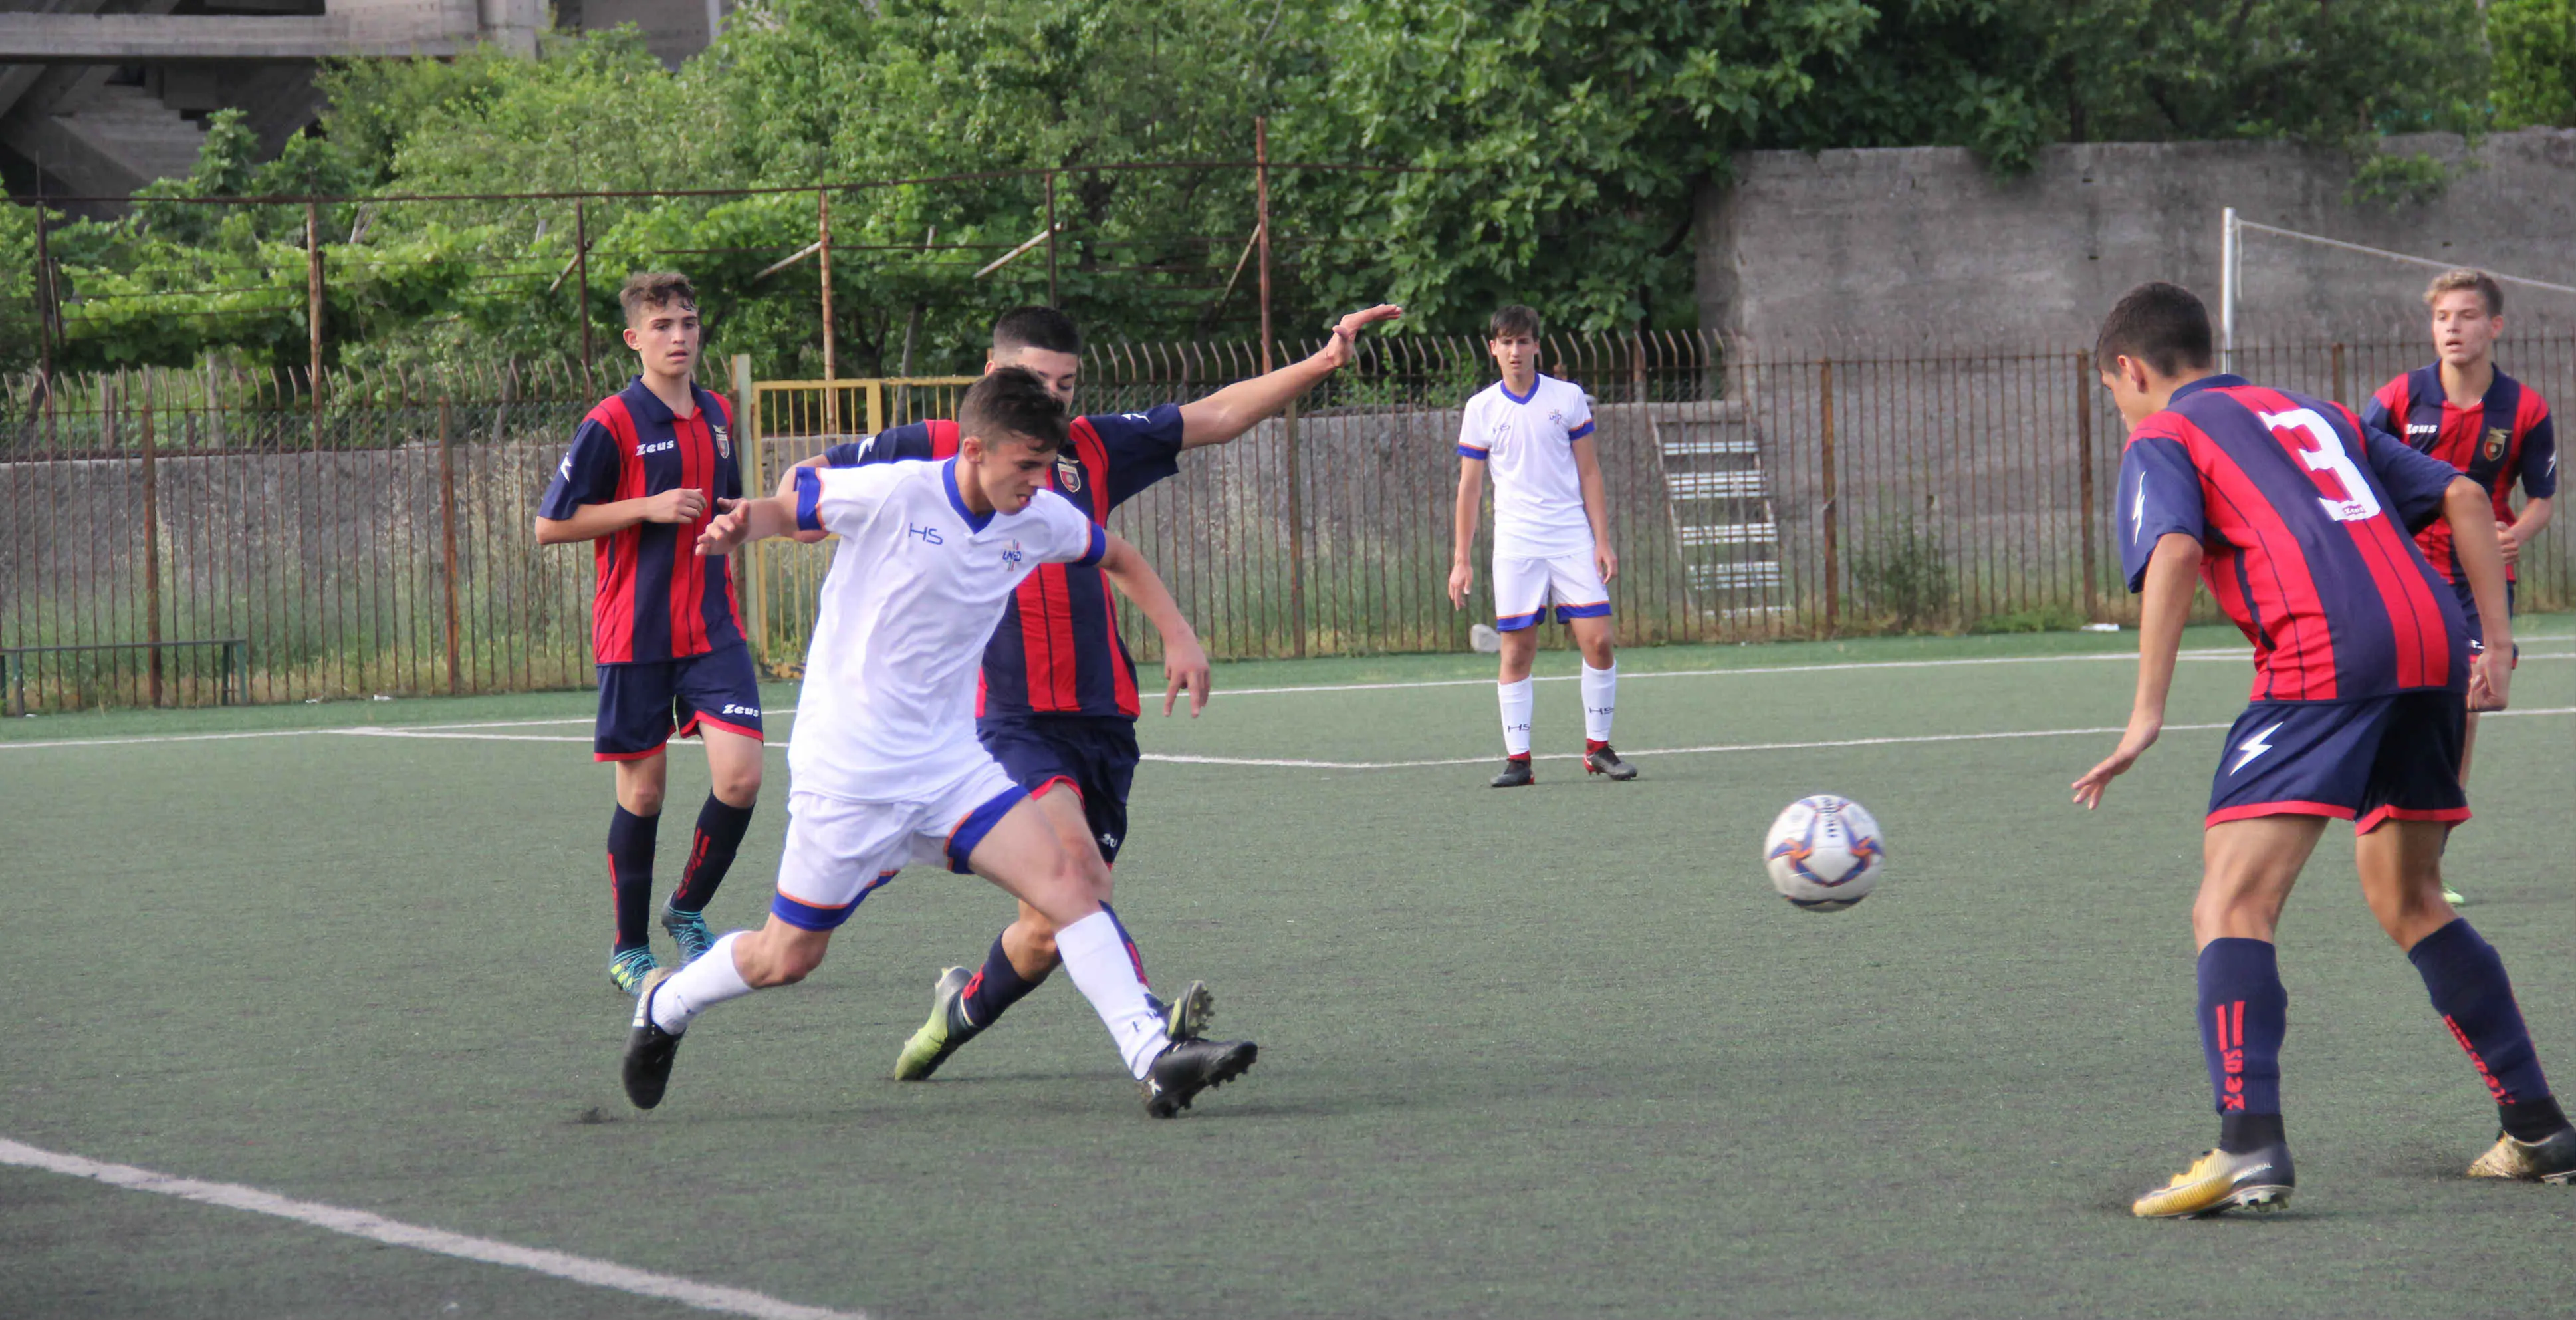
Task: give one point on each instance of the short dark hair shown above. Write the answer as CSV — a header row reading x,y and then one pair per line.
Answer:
x,y
1035,327
1514,320
656,288
2163,325
1012,403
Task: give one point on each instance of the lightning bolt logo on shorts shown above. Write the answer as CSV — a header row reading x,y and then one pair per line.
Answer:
x,y
2254,747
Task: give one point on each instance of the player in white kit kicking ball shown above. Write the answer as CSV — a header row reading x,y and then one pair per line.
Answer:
x,y
885,763
1551,537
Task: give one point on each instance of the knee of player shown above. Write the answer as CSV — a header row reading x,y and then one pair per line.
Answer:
x,y
738,785
792,965
640,798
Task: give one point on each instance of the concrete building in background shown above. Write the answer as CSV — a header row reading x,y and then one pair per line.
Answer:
x,y
1927,247
103,96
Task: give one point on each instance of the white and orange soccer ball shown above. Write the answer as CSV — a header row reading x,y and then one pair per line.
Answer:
x,y
1824,853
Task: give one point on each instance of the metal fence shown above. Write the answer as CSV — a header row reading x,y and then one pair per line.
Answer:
x,y
188,538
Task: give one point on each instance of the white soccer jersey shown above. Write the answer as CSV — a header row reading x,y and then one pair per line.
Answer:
x,y
1528,443
887,712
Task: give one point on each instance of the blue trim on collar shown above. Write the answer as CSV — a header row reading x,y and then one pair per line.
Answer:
x,y
2220,381
1507,389
948,478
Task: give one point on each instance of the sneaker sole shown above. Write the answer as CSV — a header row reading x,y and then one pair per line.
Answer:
x,y
1190,1014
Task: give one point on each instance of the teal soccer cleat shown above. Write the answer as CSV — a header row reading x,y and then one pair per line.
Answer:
x,y
689,931
627,968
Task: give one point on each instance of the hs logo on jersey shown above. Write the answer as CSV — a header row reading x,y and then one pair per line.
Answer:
x,y
928,535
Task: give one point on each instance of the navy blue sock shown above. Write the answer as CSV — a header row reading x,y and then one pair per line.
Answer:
x,y
711,850
2470,990
630,874
2244,1014
993,990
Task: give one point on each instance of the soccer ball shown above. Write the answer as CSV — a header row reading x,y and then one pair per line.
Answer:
x,y
1824,853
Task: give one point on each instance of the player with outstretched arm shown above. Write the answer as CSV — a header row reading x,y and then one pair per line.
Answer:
x,y
1058,702
640,483
1551,537
2299,522
2493,428
887,769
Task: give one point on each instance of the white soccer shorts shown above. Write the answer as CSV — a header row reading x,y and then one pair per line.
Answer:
x,y
839,852
1523,588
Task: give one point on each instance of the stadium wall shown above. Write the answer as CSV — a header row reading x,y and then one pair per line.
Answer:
x,y
1907,249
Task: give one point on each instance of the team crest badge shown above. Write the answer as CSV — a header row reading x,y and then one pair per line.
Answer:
x,y
2496,440
724,442
1068,474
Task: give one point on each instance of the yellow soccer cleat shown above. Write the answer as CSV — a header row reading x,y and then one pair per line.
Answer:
x,y
2550,1160
2219,1182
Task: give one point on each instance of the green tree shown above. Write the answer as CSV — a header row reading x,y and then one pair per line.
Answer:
x,y
2535,61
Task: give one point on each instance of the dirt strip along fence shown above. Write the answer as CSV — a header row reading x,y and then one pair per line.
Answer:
x,y
381,545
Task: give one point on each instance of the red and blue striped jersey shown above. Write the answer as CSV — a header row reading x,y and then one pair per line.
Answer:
x,y
658,599
2507,437
1057,651
2304,519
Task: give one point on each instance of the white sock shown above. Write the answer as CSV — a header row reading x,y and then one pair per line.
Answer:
x,y
1516,716
1600,700
1096,956
701,985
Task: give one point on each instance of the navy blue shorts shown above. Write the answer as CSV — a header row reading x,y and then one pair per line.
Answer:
x,y
1095,755
646,703
2365,761
2469,611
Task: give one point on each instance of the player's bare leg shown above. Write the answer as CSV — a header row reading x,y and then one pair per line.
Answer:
x,y
2468,748
779,953
1023,855
2401,876
2248,869
1520,651
1592,636
734,763
632,831
964,1002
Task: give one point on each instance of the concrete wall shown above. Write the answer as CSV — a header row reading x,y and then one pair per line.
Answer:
x,y
1925,247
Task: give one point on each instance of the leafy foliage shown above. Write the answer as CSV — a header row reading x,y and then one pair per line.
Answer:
x,y
2535,61
1561,146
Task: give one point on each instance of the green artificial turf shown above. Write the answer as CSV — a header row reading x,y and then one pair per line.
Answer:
x,y
1557,1052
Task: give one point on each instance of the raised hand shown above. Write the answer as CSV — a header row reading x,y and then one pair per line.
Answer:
x,y
1339,351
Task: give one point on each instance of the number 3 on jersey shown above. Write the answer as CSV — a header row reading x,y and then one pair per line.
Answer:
x,y
2360,502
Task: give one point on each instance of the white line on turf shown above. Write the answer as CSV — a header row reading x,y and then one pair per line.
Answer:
x,y
360,1223
1291,763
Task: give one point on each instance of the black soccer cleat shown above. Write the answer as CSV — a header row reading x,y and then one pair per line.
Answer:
x,y
1188,1067
1516,774
649,1049
1604,760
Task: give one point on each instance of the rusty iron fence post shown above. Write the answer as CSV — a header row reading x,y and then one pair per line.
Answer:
x,y
447,528
1261,224
151,548
581,282
2084,474
313,309
1296,542
823,254
1833,528
2339,395
44,296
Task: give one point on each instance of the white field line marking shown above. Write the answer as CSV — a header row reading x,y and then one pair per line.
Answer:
x,y
1298,764
359,1223
422,729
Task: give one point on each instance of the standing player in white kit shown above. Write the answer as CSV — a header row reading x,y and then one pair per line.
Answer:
x,y
887,770
1551,537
